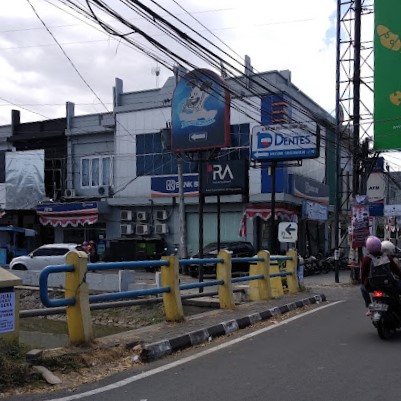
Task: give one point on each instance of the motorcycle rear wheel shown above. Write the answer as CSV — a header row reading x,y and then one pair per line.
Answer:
x,y
384,331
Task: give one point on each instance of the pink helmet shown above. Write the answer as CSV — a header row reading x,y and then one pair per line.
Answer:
x,y
373,244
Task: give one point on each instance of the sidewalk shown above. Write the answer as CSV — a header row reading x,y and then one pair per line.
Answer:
x,y
166,338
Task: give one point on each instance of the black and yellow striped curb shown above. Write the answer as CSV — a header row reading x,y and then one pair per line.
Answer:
x,y
160,349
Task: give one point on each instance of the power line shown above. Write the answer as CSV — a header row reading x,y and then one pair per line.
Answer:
x,y
66,55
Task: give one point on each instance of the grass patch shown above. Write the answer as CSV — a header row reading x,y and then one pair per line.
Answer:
x,y
16,372
14,369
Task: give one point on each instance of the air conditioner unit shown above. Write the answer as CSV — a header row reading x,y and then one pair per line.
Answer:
x,y
126,229
126,215
69,193
160,228
103,191
160,215
142,229
141,216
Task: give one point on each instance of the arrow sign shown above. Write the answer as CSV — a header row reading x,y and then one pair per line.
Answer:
x,y
287,232
289,229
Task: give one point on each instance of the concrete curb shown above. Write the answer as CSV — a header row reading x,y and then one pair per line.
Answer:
x,y
160,349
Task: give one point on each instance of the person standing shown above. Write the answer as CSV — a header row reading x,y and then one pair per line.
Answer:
x,y
93,257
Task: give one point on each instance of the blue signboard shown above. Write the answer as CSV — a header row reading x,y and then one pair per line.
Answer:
x,y
200,112
307,188
284,142
281,181
169,185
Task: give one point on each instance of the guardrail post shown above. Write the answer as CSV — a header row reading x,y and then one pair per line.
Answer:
x,y
78,315
291,267
260,289
223,272
172,300
276,282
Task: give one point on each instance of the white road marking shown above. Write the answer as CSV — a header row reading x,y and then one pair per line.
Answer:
x,y
182,361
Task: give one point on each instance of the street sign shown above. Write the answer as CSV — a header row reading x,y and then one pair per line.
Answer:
x,y
287,232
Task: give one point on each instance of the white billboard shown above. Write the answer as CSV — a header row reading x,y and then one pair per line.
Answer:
x,y
376,187
285,142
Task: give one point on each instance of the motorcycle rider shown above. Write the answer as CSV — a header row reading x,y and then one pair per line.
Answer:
x,y
375,249
388,248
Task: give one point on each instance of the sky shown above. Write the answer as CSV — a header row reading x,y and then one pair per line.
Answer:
x,y
38,78
49,54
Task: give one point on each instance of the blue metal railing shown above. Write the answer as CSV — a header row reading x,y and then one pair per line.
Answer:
x,y
43,278
50,303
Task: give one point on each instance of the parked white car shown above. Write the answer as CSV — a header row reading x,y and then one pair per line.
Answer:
x,y
50,254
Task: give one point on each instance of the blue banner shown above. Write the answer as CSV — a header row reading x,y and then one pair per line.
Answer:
x,y
169,185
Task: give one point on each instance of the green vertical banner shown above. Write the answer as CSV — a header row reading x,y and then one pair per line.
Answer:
x,y
387,75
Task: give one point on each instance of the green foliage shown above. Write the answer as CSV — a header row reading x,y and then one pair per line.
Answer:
x,y
13,367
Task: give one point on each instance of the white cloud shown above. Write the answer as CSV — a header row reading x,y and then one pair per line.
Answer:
x,y
276,35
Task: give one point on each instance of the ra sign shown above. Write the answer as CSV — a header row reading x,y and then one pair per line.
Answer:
x,y
284,142
287,231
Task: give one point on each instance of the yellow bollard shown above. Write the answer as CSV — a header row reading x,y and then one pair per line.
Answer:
x,y
291,267
260,289
276,282
79,319
172,300
9,307
223,272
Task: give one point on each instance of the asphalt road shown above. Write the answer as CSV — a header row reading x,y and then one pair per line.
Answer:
x,y
332,353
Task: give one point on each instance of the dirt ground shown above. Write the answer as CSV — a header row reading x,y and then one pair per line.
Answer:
x,y
125,317
77,366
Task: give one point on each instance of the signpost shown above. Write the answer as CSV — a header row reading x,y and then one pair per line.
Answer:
x,y
200,122
288,232
284,142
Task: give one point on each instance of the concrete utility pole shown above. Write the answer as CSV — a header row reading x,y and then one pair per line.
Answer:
x,y
181,212
181,205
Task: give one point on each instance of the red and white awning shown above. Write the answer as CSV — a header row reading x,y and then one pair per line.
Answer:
x,y
68,214
65,221
264,212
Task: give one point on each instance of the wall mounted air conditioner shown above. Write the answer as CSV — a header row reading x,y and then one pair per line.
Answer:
x,y
126,229
141,216
69,193
160,228
142,229
103,191
126,215
160,215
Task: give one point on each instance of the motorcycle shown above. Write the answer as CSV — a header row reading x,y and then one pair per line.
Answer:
x,y
385,312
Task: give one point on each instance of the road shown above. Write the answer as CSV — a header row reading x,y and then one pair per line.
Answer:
x,y
331,353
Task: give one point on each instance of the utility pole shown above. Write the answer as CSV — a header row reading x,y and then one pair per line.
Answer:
x,y
181,204
273,208
338,132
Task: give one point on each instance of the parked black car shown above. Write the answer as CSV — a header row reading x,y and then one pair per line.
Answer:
x,y
238,249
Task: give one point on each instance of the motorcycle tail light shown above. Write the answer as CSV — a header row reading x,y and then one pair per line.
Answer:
x,y
377,294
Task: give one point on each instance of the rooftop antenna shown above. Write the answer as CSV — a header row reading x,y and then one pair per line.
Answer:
x,y
156,72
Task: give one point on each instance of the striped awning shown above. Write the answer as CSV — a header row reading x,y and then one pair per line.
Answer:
x,y
286,213
66,214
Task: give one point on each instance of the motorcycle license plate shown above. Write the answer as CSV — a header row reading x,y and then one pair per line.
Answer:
x,y
378,307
